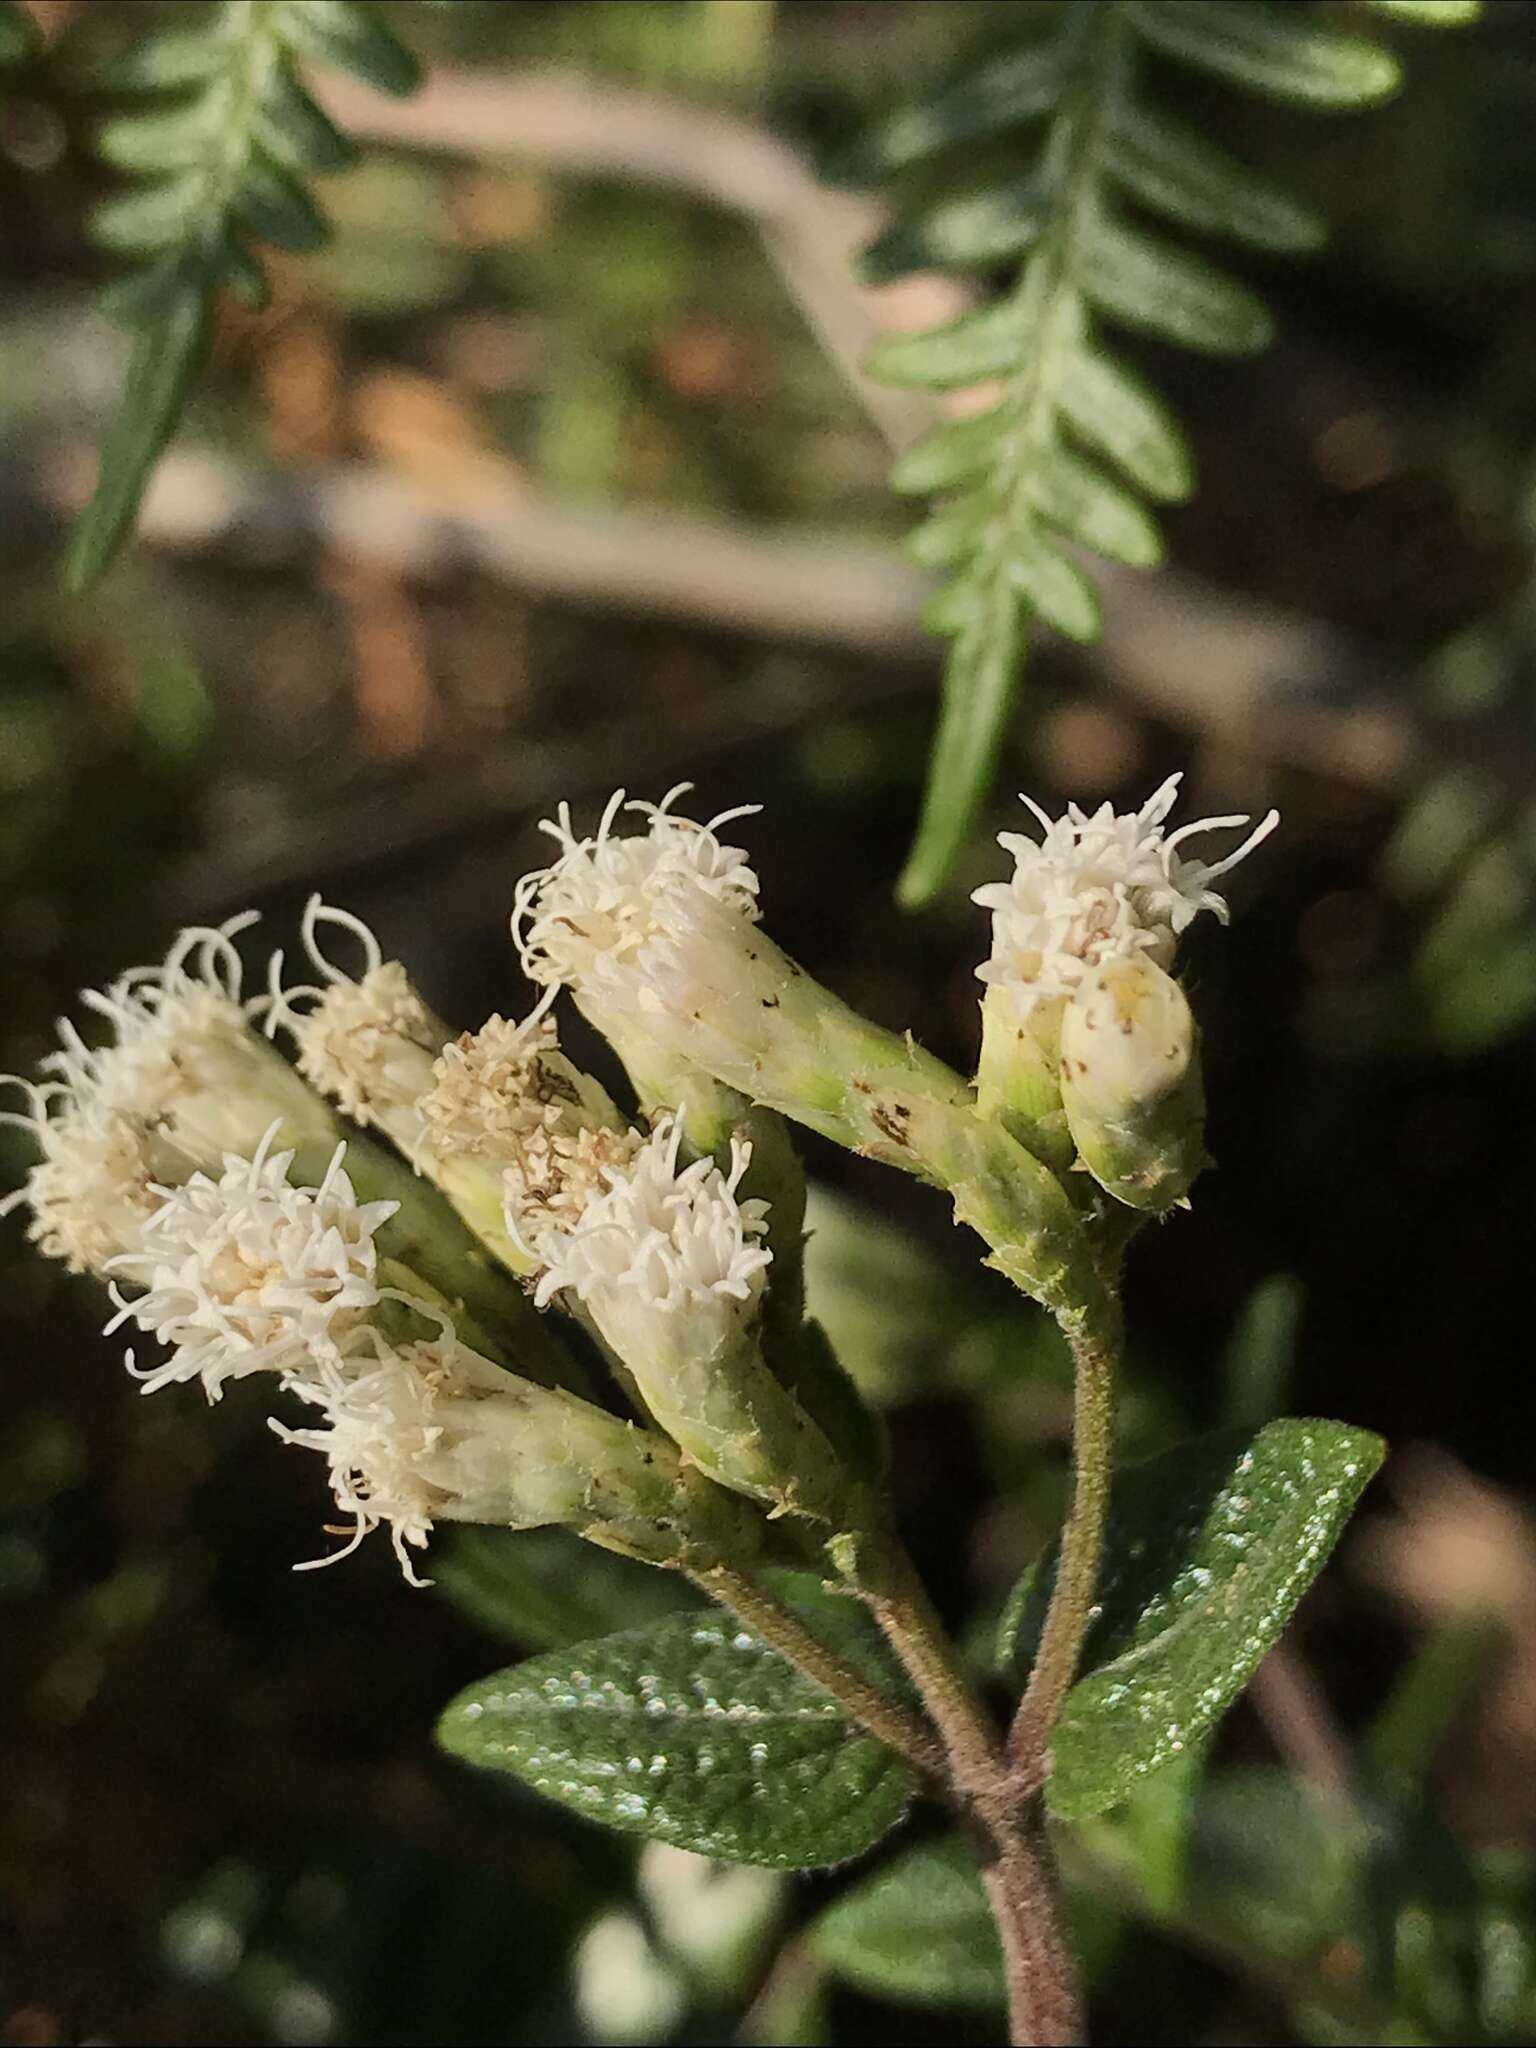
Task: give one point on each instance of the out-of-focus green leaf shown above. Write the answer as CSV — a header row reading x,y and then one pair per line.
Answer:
x,y
918,1930
545,1588
1281,52
1256,1365
1208,1551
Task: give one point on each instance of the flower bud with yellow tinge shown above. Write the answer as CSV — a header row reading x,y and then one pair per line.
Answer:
x,y
1130,1083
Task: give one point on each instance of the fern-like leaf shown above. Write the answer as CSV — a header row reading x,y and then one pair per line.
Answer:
x,y
219,137
1075,445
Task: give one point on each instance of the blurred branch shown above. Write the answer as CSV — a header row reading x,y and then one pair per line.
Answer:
x,y
591,128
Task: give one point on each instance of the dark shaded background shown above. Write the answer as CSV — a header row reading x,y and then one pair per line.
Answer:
x,y
221,1814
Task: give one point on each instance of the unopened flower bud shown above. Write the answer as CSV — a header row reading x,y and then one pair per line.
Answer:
x,y
1130,1083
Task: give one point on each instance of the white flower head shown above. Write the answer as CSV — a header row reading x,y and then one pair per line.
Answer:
x,y
368,1042
245,1273
430,1431
667,1258
506,1093
182,1081
1099,888
620,913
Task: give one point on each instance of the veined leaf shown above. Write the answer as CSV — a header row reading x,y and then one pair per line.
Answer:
x,y
963,234
347,37
1155,287
226,154
1277,51
693,1732
167,355
967,351
1209,1550
1174,173
1113,411
980,681
951,532
996,96
1056,588
1047,208
918,1930
1078,499
951,453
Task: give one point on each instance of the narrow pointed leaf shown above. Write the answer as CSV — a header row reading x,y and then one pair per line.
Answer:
x,y
963,234
981,679
350,38
1275,50
167,355
1174,172
147,220
1113,411
276,207
295,132
692,1732
159,63
952,533
950,454
1056,588
933,1893
1431,13
1079,500
997,96
1152,286
163,139
968,350
1209,1550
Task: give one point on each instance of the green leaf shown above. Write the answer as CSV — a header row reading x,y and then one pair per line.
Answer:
x,y
693,1732
1177,174
1431,13
18,33
1084,504
1113,411
1154,287
950,533
996,96
1056,588
298,134
1256,1365
544,1588
350,38
146,221
963,234
1209,1549
980,681
951,453
968,350
176,57
168,140
167,355
276,207
918,1930
1277,51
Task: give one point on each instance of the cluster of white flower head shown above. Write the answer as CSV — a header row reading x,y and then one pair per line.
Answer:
x,y
245,1273
1099,888
368,1042
182,1081
618,915
661,1239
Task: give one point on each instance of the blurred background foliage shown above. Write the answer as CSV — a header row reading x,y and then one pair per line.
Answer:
x,y
553,470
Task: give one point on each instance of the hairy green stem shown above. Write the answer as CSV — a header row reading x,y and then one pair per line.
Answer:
x,y
769,1618
1095,1351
